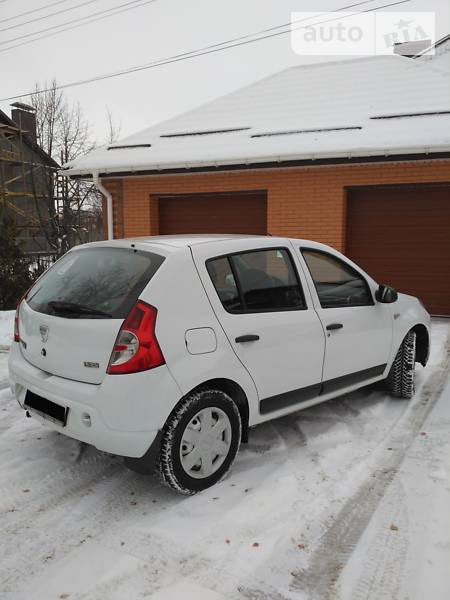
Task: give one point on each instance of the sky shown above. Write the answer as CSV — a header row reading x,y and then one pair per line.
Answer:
x,y
152,31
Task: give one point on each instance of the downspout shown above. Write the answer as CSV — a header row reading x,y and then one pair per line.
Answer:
x,y
109,203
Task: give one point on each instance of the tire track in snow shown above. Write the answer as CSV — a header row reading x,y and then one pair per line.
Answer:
x,y
386,558
60,484
61,528
339,541
259,594
41,527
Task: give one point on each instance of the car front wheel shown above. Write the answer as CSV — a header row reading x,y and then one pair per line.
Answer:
x,y
400,381
200,441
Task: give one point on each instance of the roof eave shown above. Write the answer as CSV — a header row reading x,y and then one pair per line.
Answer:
x,y
252,162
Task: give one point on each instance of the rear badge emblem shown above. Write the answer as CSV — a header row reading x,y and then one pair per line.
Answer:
x,y
43,330
91,365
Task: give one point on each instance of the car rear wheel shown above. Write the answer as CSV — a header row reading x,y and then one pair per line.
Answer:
x,y
400,381
200,441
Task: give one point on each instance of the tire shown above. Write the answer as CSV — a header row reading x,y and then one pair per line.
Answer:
x,y
400,381
193,455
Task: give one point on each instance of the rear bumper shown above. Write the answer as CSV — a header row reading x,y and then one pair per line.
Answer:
x,y
125,412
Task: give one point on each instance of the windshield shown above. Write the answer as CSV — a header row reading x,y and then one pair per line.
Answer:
x,y
94,283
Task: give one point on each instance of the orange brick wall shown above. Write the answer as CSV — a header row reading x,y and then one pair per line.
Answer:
x,y
306,202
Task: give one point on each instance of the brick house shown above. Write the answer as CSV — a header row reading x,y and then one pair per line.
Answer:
x,y
355,154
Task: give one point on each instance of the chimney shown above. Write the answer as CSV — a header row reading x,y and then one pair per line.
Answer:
x,y
24,116
411,49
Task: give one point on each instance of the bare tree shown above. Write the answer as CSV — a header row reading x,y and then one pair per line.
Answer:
x,y
62,130
64,133
113,127
74,136
48,107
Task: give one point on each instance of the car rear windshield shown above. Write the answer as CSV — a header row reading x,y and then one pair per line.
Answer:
x,y
94,283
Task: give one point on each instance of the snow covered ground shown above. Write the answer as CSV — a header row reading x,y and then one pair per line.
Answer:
x,y
6,328
348,500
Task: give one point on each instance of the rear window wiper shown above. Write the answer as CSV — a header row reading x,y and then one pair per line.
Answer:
x,y
78,309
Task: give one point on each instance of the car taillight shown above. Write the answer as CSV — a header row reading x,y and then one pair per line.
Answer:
x,y
136,347
16,325
16,317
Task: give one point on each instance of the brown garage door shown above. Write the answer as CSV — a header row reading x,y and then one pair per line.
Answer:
x,y
237,212
401,236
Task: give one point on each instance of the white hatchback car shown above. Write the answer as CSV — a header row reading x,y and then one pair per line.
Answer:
x,y
168,349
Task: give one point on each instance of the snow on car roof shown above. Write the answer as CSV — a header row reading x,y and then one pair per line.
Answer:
x,y
326,110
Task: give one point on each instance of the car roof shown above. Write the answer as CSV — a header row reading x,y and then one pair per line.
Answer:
x,y
183,240
173,243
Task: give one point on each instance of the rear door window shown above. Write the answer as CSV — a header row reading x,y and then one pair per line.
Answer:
x,y
222,276
103,282
257,281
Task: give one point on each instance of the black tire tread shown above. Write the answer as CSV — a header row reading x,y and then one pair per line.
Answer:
x,y
400,381
187,405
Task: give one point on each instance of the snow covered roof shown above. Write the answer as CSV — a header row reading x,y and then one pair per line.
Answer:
x,y
385,105
441,61
438,55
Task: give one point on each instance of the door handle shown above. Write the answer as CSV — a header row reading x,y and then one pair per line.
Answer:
x,y
251,337
333,326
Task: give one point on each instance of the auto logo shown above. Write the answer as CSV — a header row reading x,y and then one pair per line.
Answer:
x,y
43,330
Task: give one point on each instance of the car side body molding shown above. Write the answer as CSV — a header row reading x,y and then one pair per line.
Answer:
x,y
300,395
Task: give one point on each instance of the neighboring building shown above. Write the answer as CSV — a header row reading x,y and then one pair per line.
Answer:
x,y
27,176
355,154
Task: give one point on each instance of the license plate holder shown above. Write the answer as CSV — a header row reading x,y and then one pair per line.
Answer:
x,y
46,408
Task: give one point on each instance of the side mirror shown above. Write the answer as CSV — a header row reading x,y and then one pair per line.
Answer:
x,y
386,294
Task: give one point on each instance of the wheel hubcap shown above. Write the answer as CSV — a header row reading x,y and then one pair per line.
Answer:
x,y
205,442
